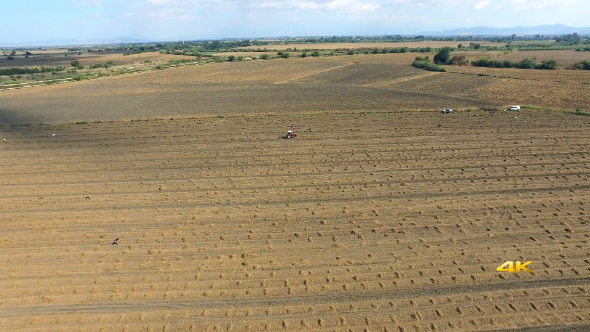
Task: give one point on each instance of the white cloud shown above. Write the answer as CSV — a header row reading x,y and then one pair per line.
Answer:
x,y
334,5
87,3
344,5
170,19
539,4
481,4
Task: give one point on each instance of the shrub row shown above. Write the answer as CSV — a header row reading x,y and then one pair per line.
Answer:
x,y
524,64
101,65
385,50
584,65
427,65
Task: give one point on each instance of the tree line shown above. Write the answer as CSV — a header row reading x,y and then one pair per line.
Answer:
x,y
29,70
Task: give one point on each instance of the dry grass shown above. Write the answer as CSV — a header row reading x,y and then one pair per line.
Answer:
x,y
564,58
556,89
367,221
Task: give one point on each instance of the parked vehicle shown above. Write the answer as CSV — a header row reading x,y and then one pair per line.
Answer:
x,y
447,110
514,108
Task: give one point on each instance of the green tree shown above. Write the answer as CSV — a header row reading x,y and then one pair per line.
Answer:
x,y
547,64
459,60
584,65
75,63
231,58
460,46
443,56
315,53
527,64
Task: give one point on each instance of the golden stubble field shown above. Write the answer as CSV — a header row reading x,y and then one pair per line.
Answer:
x,y
368,221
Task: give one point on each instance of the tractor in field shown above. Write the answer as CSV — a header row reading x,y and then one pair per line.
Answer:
x,y
290,135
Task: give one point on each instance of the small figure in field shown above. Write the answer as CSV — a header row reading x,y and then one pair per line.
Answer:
x,y
439,125
116,242
87,198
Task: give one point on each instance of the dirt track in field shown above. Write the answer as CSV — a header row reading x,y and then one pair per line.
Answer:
x,y
378,221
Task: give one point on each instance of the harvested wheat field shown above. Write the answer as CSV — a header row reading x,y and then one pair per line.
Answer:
x,y
368,221
564,58
385,82
87,59
331,46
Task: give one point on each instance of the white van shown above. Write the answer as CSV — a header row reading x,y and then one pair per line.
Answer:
x,y
514,108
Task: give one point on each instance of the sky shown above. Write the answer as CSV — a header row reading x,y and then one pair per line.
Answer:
x,y
30,21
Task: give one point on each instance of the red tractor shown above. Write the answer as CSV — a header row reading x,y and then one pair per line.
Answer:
x,y
290,134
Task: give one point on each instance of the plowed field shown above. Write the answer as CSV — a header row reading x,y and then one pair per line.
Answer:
x,y
368,221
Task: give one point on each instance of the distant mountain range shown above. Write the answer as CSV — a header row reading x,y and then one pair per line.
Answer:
x,y
75,42
556,29
544,30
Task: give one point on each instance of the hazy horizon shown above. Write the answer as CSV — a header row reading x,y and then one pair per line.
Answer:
x,y
168,20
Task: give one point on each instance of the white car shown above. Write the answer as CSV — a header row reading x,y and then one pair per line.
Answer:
x,y
514,108
447,110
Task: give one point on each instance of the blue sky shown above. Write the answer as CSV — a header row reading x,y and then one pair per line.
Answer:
x,y
165,20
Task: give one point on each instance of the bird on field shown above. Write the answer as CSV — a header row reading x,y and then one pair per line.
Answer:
x,y
87,198
5,140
